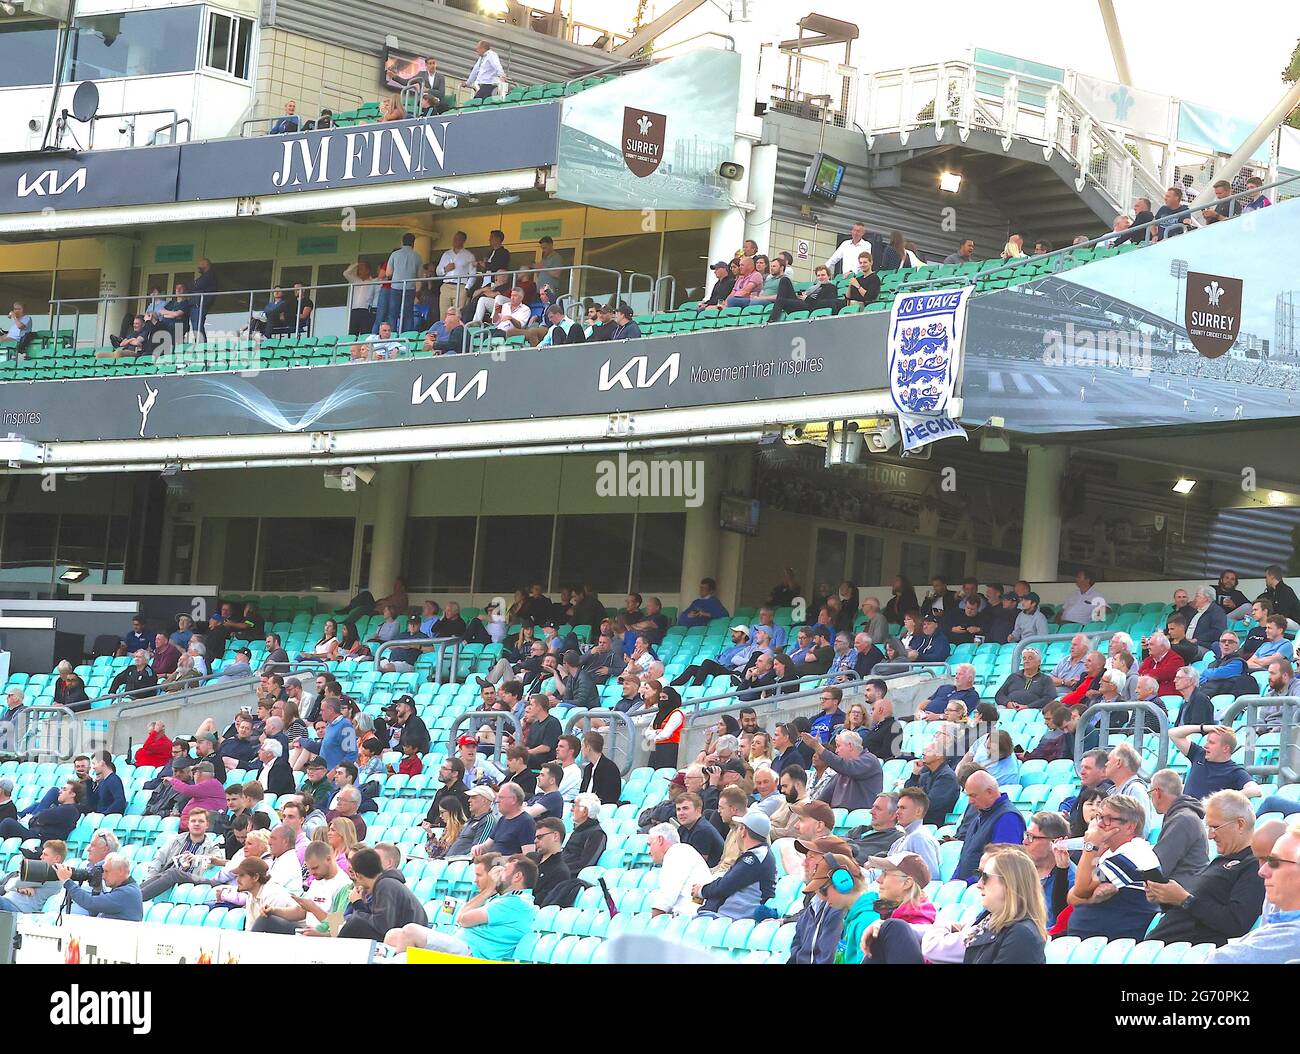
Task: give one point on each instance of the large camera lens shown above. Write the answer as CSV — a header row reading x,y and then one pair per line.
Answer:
x,y
36,872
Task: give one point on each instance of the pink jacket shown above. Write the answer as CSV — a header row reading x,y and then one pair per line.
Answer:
x,y
917,912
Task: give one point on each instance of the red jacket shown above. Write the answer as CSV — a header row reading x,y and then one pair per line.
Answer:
x,y
157,750
1163,671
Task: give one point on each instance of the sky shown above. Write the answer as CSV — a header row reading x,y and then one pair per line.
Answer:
x,y
1218,58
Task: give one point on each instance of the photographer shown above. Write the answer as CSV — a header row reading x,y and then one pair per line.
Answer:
x,y
184,858
27,891
102,843
121,897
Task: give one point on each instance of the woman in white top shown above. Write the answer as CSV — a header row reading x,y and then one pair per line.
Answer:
x,y
327,648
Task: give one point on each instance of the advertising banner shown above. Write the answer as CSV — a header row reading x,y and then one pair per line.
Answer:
x,y
686,370
1194,329
925,340
657,135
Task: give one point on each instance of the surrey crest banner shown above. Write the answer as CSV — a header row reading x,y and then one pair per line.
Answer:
x,y
926,331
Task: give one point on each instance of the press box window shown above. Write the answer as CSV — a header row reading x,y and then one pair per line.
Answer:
x,y
230,44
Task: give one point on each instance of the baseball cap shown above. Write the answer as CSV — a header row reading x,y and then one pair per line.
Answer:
x,y
829,844
482,792
822,869
678,780
466,741
733,765
404,699
244,651
758,823
1030,596
722,263
909,864
930,616
317,762
818,810
741,627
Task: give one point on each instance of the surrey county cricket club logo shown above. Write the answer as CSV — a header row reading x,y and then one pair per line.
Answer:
x,y
1213,312
643,140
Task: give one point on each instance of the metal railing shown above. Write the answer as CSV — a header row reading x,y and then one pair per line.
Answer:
x,y
60,738
622,737
1094,639
171,127
229,329
806,86
1137,709
497,719
1287,765
888,669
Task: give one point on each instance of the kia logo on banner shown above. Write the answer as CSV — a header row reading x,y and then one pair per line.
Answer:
x,y
643,140
47,183
444,390
1213,312
635,373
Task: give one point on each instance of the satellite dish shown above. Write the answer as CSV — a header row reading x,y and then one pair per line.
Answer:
x,y
85,101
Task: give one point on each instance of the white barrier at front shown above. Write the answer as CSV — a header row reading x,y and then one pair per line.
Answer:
x,y
81,939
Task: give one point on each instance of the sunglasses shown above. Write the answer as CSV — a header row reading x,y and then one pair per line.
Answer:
x,y
1275,862
983,876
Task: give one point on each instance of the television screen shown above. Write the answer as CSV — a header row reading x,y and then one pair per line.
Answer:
x,y
825,175
401,68
739,514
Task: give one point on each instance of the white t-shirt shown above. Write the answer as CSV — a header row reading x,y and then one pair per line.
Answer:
x,y
1083,607
683,868
322,892
271,895
385,349
463,264
571,782
519,314
286,872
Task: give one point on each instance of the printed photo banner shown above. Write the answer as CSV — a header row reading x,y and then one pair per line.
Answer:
x,y
926,331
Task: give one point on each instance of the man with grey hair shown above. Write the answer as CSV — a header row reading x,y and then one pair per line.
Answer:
x,y
1109,891
1208,622
587,840
1069,671
286,867
515,830
102,843
1277,938
859,776
681,868
1161,662
275,775
962,690
1182,847
1124,770
1197,707
8,810
347,804
1224,898
120,898
1028,688
877,626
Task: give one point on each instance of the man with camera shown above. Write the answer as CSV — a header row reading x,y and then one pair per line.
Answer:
x,y
27,891
185,857
120,898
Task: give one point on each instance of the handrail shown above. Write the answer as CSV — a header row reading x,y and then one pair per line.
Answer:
x,y
141,695
175,122
497,718
1134,707
1056,255
848,676
1052,638
37,730
440,643
1288,748
612,739
888,669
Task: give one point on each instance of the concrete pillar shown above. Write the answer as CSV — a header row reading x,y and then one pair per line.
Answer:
x,y
1040,539
737,479
762,189
392,485
701,544
116,255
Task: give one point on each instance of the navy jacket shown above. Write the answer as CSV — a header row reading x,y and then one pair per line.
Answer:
x,y
1000,823
942,789
108,796
1213,621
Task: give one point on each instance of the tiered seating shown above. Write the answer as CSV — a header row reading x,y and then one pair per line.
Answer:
x,y
369,112
66,362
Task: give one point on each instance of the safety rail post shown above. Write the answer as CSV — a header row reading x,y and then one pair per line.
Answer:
x,y
622,739
1287,766
1135,707
496,718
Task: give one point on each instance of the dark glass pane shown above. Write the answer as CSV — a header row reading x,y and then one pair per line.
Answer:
x,y
27,554
305,554
658,563
832,550
134,44
594,549
515,550
235,275
439,553
27,53
241,547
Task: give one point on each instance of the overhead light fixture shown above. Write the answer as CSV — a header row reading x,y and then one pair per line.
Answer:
x,y
508,199
450,202
9,9
950,182
1184,486
74,574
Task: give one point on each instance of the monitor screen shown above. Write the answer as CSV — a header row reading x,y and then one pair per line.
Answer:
x,y
825,175
738,513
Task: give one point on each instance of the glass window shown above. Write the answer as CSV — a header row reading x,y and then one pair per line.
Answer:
x,y
625,253
594,549
230,40
134,44
439,553
686,258
868,556
81,543
832,553
242,274
951,564
27,53
514,550
241,548
915,561
305,554
31,289
27,554
657,566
